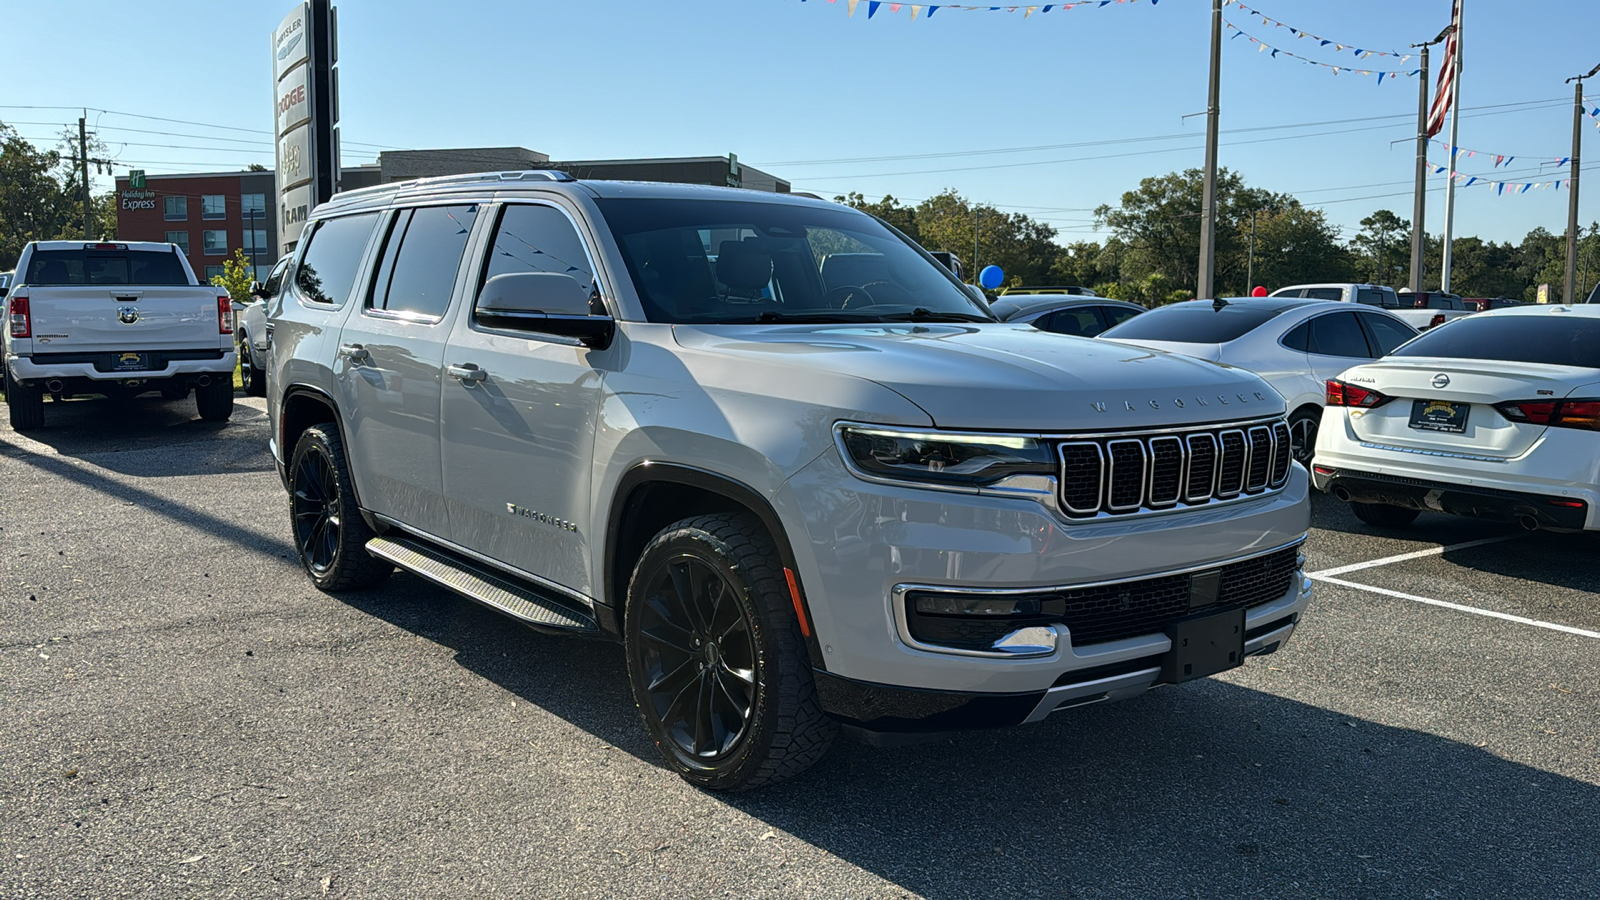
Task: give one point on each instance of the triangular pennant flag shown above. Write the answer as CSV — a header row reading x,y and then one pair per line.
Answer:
x,y
1562,161
1470,182
915,9
1525,189
852,4
1498,187
895,7
1029,12
932,10
872,7
1380,77
1497,161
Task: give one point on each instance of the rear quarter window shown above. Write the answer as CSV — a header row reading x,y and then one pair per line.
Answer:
x,y
1193,323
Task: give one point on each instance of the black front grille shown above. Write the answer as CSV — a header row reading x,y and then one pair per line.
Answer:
x,y
1114,475
1112,612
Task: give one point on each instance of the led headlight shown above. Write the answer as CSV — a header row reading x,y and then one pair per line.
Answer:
x,y
944,457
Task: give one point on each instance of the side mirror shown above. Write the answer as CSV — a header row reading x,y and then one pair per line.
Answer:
x,y
543,302
257,291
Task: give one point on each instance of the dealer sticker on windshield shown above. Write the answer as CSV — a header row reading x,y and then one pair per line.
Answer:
x,y
1439,415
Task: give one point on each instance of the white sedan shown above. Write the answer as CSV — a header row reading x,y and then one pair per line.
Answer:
x,y
1296,345
1495,416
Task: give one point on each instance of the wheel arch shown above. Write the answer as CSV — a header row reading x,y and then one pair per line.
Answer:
x,y
303,407
653,495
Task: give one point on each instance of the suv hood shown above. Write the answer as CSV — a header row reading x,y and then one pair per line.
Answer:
x,y
1005,377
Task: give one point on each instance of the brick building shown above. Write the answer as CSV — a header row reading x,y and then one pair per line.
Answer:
x,y
208,215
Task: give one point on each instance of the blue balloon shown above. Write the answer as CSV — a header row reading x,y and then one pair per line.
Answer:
x,y
991,277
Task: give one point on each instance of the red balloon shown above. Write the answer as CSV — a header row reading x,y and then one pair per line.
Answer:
x,y
1259,291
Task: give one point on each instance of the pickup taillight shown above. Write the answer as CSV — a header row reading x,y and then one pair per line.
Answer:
x,y
224,314
21,323
1436,321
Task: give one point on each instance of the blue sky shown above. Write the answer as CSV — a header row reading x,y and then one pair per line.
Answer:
x,y
791,85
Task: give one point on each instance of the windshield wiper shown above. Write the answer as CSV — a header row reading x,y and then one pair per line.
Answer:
x,y
837,315
923,314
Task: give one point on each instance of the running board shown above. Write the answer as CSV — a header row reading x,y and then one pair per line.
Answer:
x,y
478,582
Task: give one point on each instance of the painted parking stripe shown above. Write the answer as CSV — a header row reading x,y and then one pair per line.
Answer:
x,y
1418,554
1565,629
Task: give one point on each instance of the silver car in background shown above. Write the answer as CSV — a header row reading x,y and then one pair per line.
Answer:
x,y
1296,345
1076,314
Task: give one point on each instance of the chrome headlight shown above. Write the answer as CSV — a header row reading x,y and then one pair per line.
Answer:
x,y
948,458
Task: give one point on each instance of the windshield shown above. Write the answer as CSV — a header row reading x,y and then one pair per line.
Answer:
x,y
65,267
1194,322
735,261
1554,339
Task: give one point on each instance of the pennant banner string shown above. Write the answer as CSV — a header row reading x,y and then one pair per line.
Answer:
x,y
1462,179
1300,33
1497,160
1263,46
926,10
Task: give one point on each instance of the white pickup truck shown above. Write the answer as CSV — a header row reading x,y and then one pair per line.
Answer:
x,y
116,319
1421,311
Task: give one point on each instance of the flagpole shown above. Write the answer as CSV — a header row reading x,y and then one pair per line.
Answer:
x,y
1455,126
1419,203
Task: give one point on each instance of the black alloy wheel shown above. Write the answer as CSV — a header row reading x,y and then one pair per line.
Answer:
x,y
250,377
700,659
329,533
716,658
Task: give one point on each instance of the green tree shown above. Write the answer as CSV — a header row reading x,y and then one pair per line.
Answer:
x,y
1383,249
237,274
1160,223
1296,245
32,205
888,209
1024,248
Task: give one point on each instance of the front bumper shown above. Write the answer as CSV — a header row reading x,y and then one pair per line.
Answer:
x,y
25,370
860,546
1541,511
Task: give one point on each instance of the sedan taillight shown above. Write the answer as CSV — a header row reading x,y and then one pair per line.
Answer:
x,y
1342,394
1583,414
21,322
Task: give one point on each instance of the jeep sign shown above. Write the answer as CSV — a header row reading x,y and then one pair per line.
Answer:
x,y
305,114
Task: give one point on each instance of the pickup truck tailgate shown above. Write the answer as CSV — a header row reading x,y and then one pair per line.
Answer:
x,y
116,318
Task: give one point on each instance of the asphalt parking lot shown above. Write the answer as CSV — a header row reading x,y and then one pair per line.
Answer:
x,y
182,715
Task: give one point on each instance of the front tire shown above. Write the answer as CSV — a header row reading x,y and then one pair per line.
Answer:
x,y
24,405
716,660
215,400
1382,515
329,533
255,385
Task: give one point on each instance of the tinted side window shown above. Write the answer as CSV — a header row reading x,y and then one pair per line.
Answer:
x,y
1299,337
275,279
1387,334
328,267
1080,321
1338,334
431,241
535,238
1390,299
1116,315
1369,296
1324,293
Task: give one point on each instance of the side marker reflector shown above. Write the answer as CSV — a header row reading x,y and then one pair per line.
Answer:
x,y
794,595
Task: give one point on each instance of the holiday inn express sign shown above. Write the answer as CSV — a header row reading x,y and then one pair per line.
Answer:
x,y
305,114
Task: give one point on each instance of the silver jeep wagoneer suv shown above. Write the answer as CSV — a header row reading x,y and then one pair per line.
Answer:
x,y
776,450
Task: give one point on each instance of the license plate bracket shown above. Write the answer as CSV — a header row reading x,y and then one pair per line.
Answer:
x,y
1439,415
1204,645
130,362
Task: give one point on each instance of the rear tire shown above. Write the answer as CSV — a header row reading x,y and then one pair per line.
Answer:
x,y
329,532
24,405
215,400
718,666
1303,434
254,384
1382,515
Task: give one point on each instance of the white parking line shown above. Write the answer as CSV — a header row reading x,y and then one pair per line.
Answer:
x,y
1418,554
1565,629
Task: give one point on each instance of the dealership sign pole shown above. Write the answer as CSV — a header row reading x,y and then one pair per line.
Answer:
x,y
305,114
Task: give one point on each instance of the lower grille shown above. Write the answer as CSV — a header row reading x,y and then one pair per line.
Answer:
x,y
1112,612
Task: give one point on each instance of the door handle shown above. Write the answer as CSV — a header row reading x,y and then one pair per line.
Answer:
x,y
467,372
354,352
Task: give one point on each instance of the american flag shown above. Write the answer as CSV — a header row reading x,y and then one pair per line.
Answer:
x,y
1444,95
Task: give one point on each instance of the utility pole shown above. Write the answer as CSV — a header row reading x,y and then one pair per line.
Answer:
x,y
1571,294
83,171
977,218
1419,206
1250,266
1208,204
